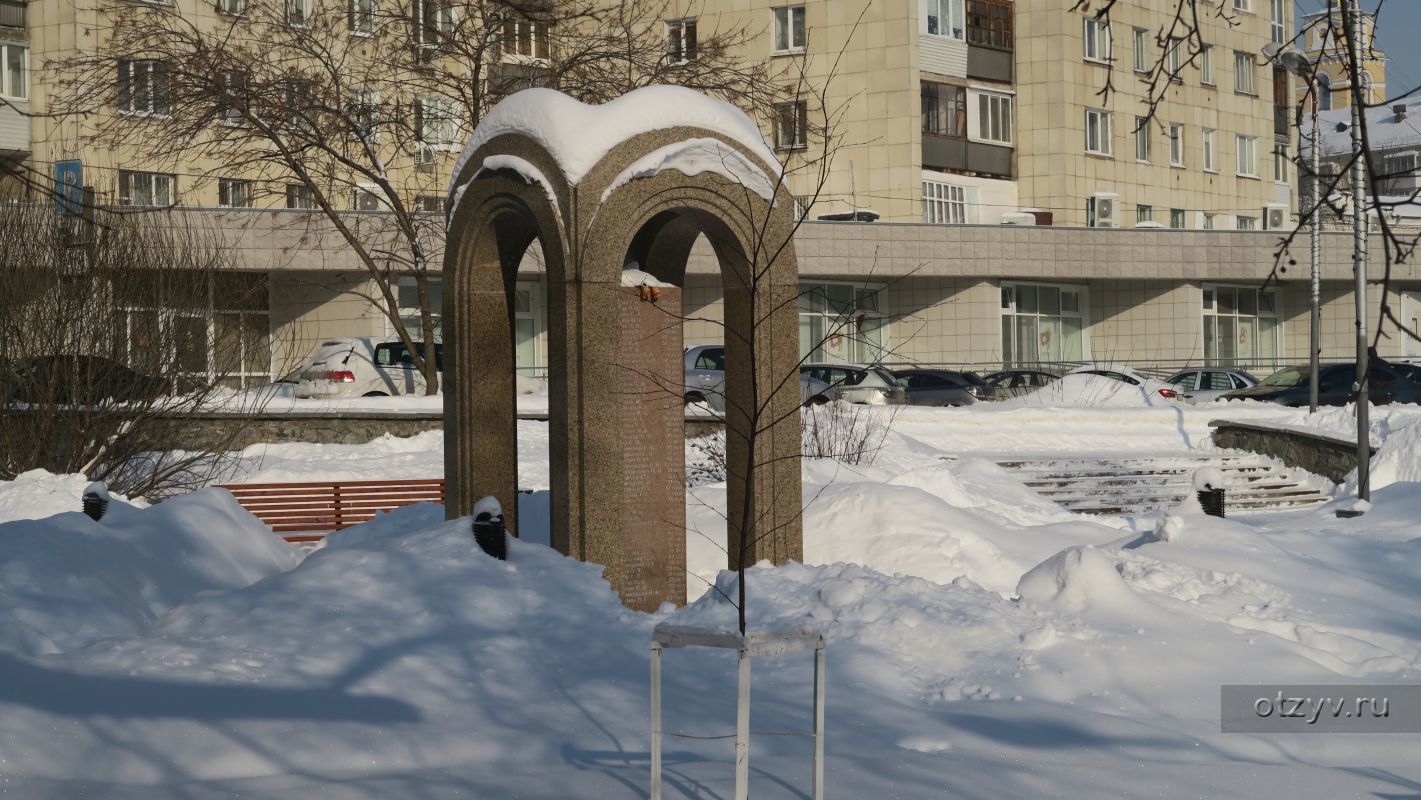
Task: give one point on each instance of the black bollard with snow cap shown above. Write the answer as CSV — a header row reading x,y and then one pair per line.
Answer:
x,y
96,500
489,532
1209,483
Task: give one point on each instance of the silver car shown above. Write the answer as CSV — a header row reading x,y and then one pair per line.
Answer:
x,y
858,383
362,366
1205,385
705,379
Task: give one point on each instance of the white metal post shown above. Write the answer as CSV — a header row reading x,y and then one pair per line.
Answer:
x,y
1359,254
655,721
742,729
817,784
1316,288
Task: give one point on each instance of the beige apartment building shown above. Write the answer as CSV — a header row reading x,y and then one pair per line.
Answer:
x,y
950,118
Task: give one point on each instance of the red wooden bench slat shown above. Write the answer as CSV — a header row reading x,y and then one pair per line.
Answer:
x,y
328,484
354,500
305,512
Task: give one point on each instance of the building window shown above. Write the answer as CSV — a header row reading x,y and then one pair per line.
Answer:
x,y
429,203
1243,73
434,121
298,12
1043,323
1324,92
143,87
16,79
233,7
993,118
1176,218
362,114
145,188
1280,163
1278,19
1174,59
362,17
522,37
1142,50
946,18
944,110
680,41
1241,326
235,95
946,204
1208,141
789,29
1243,223
1142,139
1097,40
214,327
1144,213
1208,222
989,24
299,95
841,323
1247,156
791,125
234,193
1243,5
407,294
299,195
1097,131
1398,176
1206,65
1176,144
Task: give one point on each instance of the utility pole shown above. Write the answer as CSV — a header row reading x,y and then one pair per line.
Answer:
x,y
1353,20
1316,289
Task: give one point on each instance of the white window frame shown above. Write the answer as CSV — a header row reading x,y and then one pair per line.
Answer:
x,y
1208,220
1104,132
1142,50
1174,59
362,17
1096,44
1278,17
1245,81
147,102
7,87
364,103
950,17
1280,163
298,13
1210,143
947,203
1209,311
1206,65
1142,140
511,49
1176,144
1243,5
236,8
998,119
146,189
438,124
1246,156
798,129
1399,167
226,197
1178,214
783,27
677,51
1243,222
842,324
1009,311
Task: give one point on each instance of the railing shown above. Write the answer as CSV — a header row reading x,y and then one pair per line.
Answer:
x,y
12,14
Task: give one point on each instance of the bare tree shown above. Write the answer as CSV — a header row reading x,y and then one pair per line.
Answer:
x,y
106,345
361,106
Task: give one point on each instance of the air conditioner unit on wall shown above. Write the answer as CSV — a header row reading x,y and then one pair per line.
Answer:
x,y
1107,211
1275,216
423,155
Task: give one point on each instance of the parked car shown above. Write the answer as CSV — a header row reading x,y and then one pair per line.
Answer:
x,y
1131,376
1289,386
858,383
705,379
1018,382
80,380
363,366
1203,385
941,387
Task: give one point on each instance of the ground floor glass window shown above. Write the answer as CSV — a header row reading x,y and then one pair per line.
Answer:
x,y
1241,326
1043,323
841,323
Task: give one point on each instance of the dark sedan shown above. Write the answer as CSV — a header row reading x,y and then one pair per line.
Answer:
x,y
1289,386
940,387
81,380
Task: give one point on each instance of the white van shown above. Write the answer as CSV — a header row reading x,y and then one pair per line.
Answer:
x,y
362,366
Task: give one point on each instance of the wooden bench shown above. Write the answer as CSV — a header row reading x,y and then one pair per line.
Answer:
x,y
306,512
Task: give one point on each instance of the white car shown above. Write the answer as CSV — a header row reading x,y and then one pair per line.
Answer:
x,y
859,383
362,366
705,379
1151,386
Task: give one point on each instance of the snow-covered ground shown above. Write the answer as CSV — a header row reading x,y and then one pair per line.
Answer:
x,y
983,643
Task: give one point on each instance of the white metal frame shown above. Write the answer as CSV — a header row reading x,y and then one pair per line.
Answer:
x,y
763,643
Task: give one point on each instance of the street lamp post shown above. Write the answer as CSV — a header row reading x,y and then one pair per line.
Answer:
x,y
1359,268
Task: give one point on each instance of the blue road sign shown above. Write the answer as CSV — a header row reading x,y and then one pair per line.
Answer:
x,y
69,186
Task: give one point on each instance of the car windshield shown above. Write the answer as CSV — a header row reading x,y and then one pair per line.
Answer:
x,y
1292,376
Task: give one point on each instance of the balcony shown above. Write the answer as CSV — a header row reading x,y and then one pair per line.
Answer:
x,y
941,152
12,14
989,64
14,129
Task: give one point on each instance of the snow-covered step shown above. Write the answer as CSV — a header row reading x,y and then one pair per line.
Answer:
x,y
1138,484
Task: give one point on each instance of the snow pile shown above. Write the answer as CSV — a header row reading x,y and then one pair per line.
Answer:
x,y
1089,390
578,135
692,157
66,581
1397,460
37,494
632,277
1076,579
